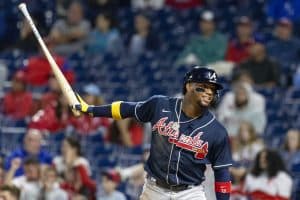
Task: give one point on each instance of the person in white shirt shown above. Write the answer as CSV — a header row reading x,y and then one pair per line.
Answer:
x,y
242,104
268,178
248,144
29,182
245,147
50,189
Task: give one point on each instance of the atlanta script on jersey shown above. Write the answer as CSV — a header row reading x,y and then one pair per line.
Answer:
x,y
179,154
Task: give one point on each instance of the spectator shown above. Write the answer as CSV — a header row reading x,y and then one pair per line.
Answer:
x,y
71,156
268,178
50,189
8,192
31,148
208,47
238,48
29,182
127,132
263,70
184,4
38,70
285,48
88,125
248,144
68,34
110,181
51,97
242,104
105,37
291,149
17,96
291,154
27,41
244,149
75,168
143,39
147,4
52,118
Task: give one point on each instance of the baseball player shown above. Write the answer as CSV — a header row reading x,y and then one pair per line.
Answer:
x,y
185,137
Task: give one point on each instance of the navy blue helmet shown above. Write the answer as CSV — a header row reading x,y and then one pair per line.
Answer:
x,y
202,75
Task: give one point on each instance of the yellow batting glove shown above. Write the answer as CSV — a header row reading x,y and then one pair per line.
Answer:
x,y
83,106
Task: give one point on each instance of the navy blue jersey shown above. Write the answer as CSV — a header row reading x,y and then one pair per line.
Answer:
x,y
179,154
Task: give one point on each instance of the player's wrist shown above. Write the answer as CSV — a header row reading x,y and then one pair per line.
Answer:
x,y
90,109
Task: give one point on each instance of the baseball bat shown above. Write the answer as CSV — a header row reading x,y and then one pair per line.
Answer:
x,y
63,83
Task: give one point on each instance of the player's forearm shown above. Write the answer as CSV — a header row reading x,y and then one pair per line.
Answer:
x,y
222,183
116,110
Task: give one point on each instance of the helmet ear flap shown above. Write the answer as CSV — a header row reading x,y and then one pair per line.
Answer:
x,y
216,99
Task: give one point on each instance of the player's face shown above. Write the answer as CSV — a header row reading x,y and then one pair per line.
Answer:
x,y
203,93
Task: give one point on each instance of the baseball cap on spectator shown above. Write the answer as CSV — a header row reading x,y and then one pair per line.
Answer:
x,y
244,20
207,16
92,89
112,175
284,21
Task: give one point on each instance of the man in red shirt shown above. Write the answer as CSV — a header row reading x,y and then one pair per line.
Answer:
x,y
51,97
238,48
18,96
38,70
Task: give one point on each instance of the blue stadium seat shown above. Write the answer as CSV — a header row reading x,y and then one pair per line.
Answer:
x,y
106,162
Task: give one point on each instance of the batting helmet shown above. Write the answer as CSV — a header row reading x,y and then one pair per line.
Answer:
x,y
202,75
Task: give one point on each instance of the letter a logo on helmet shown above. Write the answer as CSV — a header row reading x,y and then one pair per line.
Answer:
x,y
212,76
202,75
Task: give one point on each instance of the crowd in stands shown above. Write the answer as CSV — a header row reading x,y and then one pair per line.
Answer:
x,y
132,49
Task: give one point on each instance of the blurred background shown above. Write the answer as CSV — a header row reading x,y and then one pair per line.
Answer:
x,y
129,50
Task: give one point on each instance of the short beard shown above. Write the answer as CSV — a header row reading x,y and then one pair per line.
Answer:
x,y
241,104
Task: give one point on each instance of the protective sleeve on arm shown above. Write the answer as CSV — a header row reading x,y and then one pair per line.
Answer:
x,y
222,183
116,110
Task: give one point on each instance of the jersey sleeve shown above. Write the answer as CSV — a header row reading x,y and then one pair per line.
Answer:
x,y
221,153
144,111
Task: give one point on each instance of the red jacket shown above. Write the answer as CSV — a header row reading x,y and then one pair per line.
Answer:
x,y
49,98
238,52
87,184
38,70
46,119
17,105
86,124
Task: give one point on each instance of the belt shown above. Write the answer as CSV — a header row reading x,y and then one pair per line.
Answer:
x,y
174,188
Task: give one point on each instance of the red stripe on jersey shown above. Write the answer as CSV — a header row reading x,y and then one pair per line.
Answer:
x,y
223,187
